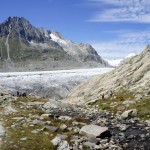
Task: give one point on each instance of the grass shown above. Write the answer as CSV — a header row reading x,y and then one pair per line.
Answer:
x,y
143,109
34,141
115,103
18,129
22,129
86,148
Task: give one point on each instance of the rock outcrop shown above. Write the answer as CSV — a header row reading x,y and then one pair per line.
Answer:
x,y
132,76
24,47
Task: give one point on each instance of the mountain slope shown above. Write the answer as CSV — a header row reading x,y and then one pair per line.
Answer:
x,y
24,47
132,76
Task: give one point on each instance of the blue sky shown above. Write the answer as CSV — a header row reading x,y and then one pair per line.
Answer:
x,y
114,28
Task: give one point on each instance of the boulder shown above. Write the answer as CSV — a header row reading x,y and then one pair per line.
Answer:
x,y
131,113
51,128
44,116
94,131
56,141
123,127
61,144
64,145
63,127
138,97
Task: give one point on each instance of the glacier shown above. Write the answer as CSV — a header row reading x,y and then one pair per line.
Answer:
x,y
49,84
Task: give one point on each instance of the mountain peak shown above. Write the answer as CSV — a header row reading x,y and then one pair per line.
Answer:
x,y
15,18
19,26
16,21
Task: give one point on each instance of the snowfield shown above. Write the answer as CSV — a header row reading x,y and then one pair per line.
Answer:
x,y
50,84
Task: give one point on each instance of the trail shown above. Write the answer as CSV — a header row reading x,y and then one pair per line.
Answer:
x,y
7,44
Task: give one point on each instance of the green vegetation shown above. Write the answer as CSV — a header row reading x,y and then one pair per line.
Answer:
x,y
143,109
115,103
21,129
23,134
86,148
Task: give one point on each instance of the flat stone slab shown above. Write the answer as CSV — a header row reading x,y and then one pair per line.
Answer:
x,y
92,130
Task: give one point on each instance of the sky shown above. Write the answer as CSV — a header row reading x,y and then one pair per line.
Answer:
x,y
115,28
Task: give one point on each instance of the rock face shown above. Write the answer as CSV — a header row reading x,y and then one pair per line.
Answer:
x,y
132,75
24,47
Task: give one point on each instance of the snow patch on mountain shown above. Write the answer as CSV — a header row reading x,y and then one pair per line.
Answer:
x,y
114,62
57,39
117,62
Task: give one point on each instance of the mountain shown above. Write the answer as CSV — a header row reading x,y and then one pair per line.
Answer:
x,y
133,75
24,47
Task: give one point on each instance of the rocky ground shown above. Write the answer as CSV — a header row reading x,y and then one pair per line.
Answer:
x,y
35,123
132,76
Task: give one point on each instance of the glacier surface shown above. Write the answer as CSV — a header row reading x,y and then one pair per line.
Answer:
x,y
50,84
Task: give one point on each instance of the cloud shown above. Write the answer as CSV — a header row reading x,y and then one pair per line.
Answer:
x,y
122,11
127,43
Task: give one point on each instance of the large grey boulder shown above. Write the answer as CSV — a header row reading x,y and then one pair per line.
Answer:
x,y
94,131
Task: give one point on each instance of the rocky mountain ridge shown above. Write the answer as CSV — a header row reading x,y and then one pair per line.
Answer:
x,y
131,76
24,47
